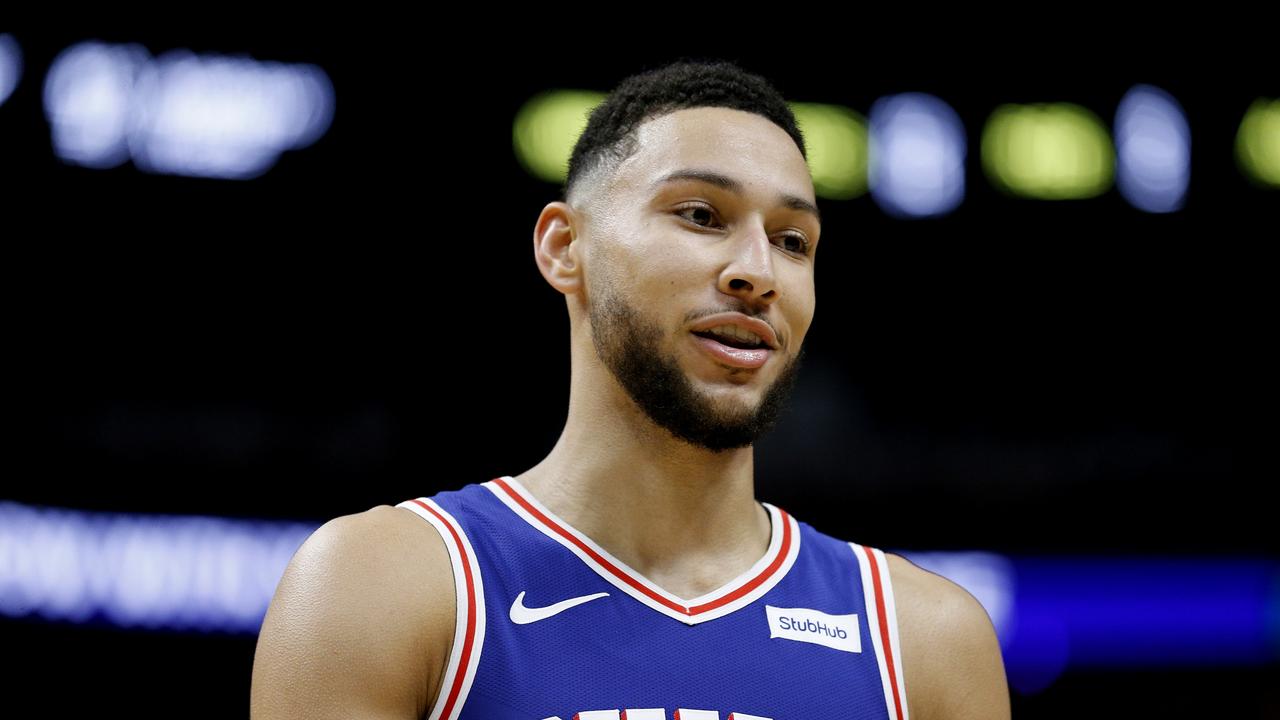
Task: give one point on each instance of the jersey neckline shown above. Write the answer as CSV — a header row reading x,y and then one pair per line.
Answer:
x,y
768,571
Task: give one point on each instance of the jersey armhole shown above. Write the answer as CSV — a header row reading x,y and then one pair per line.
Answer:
x,y
469,620
882,625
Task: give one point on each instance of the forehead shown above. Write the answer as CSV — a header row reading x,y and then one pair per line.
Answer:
x,y
742,145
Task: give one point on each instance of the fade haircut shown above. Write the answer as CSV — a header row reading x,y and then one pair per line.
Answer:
x,y
610,136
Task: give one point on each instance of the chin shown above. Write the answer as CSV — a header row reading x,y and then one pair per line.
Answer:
x,y
734,401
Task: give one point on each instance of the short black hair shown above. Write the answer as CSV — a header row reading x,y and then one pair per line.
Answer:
x,y
609,137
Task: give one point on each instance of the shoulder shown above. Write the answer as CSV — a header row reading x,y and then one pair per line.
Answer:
x,y
950,654
360,623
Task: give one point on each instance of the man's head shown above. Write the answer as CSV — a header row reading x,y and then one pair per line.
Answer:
x,y
689,207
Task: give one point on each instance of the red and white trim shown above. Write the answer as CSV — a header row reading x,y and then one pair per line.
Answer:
x,y
468,635
882,623
784,545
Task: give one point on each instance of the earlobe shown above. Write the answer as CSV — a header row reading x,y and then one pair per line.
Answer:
x,y
554,248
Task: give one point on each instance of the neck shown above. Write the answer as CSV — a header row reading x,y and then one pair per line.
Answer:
x,y
683,516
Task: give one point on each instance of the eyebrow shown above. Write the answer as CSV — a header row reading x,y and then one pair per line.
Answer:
x,y
724,182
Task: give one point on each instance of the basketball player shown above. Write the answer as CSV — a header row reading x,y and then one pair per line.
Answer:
x,y
632,573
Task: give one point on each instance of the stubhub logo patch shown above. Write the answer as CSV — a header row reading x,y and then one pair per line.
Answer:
x,y
839,632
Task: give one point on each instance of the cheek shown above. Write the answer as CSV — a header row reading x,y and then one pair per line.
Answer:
x,y
804,310
662,266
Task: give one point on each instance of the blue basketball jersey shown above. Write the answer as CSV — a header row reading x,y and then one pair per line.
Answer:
x,y
550,625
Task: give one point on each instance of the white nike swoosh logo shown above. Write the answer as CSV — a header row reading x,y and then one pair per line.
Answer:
x,y
522,615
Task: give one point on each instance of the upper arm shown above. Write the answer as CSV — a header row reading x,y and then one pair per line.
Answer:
x,y
950,654
360,622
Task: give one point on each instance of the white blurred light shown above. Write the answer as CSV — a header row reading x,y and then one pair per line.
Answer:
x,y
182,113
10,65
1153,149
142,571
917,154
87,100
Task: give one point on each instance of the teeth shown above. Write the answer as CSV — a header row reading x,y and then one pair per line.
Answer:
x,y
736,333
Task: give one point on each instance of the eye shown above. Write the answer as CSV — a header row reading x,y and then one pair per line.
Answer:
x,y
700,210
802,243
689,212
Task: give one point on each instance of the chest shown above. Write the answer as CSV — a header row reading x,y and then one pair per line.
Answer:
x,y
577,647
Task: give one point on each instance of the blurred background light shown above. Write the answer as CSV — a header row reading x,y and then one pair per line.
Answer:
x,y
1153,150
918,151
835,140
142,571
1048,151
547,126
10,65
1258,142
88,100
181,113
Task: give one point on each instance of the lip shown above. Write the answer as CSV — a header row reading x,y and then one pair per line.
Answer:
x,y
759,327
736,357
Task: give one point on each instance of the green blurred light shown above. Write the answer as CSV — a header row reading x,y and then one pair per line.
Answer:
x,y
1258,142
546,128
1049,151
835,140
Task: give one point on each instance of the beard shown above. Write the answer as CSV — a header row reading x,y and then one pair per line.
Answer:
x,y
631,348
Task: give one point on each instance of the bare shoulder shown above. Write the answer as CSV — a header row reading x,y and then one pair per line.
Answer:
x,y
950,654
360,624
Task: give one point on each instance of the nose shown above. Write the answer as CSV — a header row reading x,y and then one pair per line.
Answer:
x,y
749,273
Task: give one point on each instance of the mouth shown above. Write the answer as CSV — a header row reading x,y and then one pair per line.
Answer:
x,y
726,351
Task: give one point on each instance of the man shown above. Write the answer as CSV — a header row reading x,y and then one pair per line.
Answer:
x,y
631,573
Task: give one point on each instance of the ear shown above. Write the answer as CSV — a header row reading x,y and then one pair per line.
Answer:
x,y
554,250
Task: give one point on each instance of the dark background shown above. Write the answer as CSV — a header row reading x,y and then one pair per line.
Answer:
x,y
1023,377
